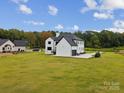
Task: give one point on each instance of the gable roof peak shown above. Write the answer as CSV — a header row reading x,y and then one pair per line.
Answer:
x,y
2,41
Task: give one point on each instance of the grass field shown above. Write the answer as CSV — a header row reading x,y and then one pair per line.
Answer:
x,y
39,73
114,49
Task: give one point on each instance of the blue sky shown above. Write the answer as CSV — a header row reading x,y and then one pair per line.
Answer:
x,y
62,15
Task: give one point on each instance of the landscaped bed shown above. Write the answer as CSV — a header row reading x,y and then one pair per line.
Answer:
x,y
40,73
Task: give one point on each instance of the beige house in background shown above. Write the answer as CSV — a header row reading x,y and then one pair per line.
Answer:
x,y
8,46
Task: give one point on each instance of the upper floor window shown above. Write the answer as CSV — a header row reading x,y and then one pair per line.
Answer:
x,y
49,42
78,42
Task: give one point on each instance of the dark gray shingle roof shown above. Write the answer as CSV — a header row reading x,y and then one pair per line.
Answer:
x,y
54,38
70,41
2,41
69,37
20,42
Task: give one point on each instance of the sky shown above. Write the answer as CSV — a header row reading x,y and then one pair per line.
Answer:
x,y
62,15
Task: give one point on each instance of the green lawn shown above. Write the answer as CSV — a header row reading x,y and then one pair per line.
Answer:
x,y
39,73
114,49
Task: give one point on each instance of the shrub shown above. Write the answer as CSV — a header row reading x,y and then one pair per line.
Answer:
x,y
97,54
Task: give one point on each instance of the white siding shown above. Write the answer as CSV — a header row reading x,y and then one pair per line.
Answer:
x,y
80,48
74,47
8,47
52,45
21,48
63,48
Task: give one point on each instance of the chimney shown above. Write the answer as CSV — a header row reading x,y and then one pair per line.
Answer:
x,y
57,34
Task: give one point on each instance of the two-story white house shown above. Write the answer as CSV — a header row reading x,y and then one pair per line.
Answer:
x,y
65,44
50,45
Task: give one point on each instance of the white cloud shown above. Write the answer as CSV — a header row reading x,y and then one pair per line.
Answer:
x,y
75,28
113,4
52,10
91,3
19,1
119,24
103,7
36,23
24,9
85,9
120,30
103,15
59,27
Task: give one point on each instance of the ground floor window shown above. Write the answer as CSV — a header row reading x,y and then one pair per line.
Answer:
x,y
7,48
3,48
49,48
19,49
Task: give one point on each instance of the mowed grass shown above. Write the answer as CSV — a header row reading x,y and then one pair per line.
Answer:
x,y
40,73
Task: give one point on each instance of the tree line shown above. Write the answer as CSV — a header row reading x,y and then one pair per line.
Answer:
x,y
35,39
103,39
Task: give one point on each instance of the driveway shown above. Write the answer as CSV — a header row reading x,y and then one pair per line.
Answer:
x,y
88,55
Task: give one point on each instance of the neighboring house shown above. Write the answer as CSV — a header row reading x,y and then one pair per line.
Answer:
x,y
64,45
8,46
20,45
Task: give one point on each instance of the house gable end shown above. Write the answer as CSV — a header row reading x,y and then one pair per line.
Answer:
x,y
70,41
7,42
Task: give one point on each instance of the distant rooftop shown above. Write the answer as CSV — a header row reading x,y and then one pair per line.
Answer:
x,y
20,42
2,41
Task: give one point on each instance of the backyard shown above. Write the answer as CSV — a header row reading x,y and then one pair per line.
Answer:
x,y
40,73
